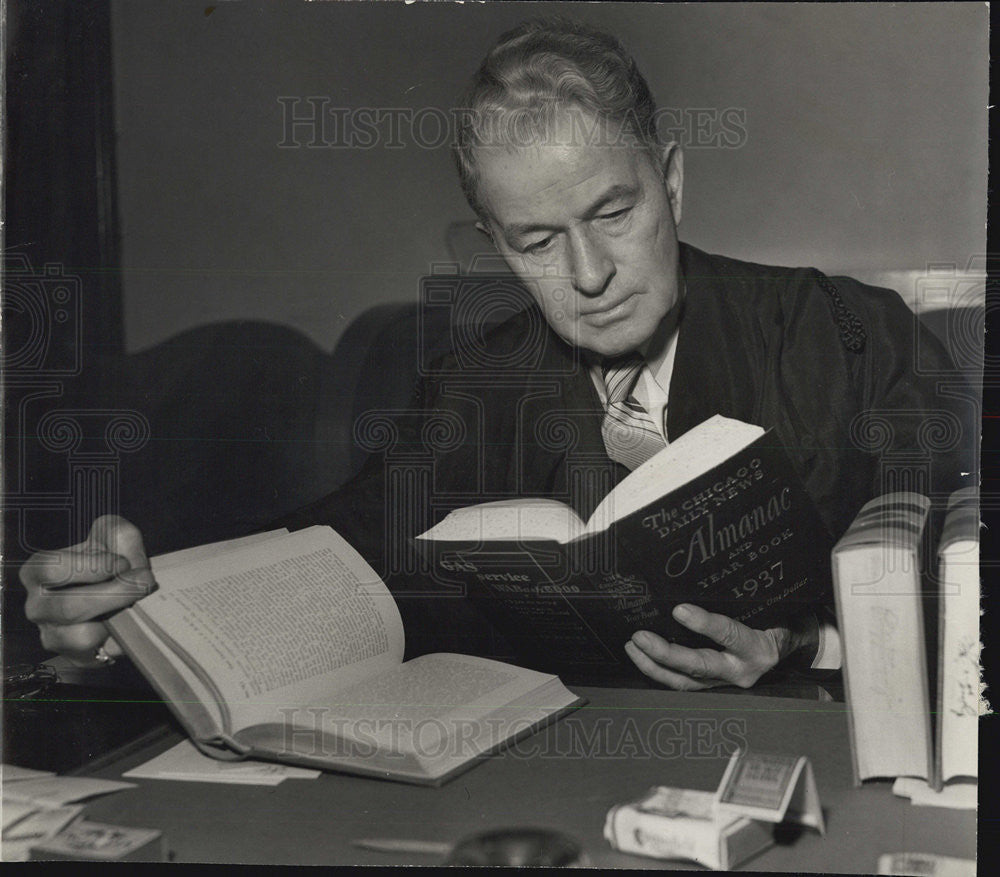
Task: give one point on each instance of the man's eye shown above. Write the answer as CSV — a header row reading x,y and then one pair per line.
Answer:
x,y
539,246
615,214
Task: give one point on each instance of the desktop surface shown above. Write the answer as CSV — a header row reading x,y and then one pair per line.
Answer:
x,y
566,778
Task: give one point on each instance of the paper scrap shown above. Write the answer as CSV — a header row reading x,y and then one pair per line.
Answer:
x,y
955,795
184,762
43,823
14,811
925,865
11,773
39,826
57,791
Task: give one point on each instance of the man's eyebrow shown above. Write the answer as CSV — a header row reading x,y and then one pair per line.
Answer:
x,y
617,191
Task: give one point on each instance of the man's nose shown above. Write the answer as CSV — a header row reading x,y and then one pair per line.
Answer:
x,y
592,265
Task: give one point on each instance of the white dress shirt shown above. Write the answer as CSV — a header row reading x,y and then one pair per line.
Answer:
x,y
652,387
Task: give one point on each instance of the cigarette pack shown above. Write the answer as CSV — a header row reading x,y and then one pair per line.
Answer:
x,y
674,823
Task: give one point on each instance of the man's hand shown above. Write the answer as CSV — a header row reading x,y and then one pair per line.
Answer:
x,y
746,655
71,590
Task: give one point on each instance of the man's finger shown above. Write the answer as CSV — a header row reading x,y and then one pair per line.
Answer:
x,y
79,564
719,628
78,642
73,605
115,534
696,663
88,657
650,668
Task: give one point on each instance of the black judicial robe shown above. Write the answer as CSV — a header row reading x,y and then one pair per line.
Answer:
x,y
830,364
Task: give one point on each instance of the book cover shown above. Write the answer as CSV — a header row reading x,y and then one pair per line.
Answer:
x,y
880,597
959,678
742,539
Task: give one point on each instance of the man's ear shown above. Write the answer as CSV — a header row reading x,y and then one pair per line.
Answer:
x,y
672,166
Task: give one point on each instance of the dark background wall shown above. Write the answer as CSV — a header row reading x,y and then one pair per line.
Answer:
x,y
864,148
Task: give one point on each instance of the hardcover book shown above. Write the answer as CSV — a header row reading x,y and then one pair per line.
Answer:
x,y
910,639
288,647
718,518
960,684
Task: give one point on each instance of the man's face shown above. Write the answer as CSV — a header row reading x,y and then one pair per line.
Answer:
x,y
591,231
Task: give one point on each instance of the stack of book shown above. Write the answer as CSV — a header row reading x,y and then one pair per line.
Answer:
x,y
910,634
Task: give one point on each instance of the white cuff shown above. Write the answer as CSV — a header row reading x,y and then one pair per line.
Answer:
x,y
828,652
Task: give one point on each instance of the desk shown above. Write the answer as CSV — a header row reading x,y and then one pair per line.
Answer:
x,y
566,777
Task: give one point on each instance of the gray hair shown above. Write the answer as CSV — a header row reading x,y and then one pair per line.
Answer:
x,y
541,66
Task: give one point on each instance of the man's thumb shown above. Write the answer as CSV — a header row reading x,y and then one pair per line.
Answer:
x,y
119,536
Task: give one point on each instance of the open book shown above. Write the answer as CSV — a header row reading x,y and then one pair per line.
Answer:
x,y
718,518
288,647
910,639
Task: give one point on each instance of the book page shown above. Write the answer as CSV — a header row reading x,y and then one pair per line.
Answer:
x,y
880,616
272,623
184,685
421,719
697,451
421,690
515,519
212,549
960,668
414,706
185,762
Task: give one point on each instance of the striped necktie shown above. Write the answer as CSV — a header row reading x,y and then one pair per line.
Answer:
x,y
630,434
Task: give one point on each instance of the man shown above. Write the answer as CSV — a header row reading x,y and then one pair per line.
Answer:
x,y
559,158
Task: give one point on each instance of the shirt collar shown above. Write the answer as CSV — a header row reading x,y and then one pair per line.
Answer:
x,y
658,350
